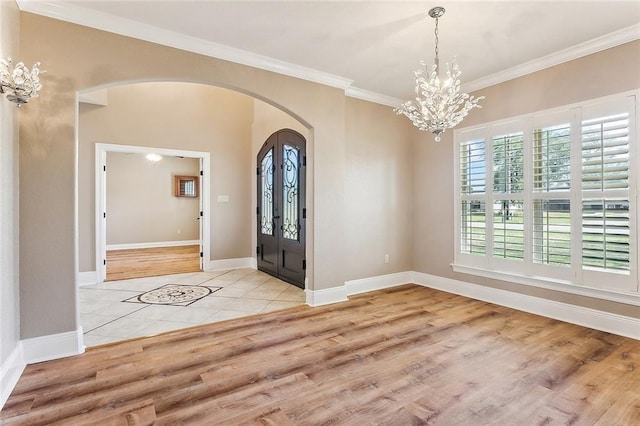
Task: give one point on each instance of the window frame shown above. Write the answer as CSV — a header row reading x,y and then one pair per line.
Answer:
x,y
574,278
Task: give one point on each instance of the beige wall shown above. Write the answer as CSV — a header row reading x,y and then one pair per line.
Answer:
x,y
608,72
182,116
378,184
79,58
141,205
9,287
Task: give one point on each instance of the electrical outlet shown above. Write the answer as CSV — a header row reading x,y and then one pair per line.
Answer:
x,y
386,258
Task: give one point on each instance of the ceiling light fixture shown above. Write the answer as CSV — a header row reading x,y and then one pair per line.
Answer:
x,y
154,158
439,105
19,83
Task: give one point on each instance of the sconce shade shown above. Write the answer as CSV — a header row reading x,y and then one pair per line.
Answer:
x,y
19,83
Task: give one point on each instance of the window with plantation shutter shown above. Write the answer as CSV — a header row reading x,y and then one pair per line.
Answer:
x,y
551,205
472,188
605,152
605,156
550,199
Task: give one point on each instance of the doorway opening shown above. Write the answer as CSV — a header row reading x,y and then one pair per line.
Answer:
x,y
281,207
146,255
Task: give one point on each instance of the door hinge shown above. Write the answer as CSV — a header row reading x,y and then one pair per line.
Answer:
x,y
201,173
304,213
104,262
201,214
258,171
258,211
304,160
104,168
104,215
201,254
304,264
257,249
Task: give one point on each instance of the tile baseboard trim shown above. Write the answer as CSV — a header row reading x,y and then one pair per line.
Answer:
x,y
10,372
87,278
241,262
574,314
53,346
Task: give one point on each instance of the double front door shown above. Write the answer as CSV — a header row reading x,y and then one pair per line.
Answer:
x,y
281,207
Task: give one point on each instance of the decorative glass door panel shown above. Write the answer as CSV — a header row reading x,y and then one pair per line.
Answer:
x,y
281,207
266,186
291,192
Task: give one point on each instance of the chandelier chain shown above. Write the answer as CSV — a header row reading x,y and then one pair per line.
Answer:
x,y
437,39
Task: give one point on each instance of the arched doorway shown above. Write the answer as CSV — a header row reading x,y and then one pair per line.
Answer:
x,y
243,124
281,207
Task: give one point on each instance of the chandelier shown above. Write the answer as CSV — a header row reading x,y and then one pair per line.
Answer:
x,y
439,105
19,83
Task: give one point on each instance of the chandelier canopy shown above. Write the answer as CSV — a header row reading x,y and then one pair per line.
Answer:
x,y
18,82
439,105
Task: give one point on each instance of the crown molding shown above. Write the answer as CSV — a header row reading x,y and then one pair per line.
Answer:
x,y
595,45
374,97
126,27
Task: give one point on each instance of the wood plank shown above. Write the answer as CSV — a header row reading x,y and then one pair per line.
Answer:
x,y
406,355
150,262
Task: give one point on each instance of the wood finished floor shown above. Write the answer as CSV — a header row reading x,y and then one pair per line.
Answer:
x,y
151,262
402,356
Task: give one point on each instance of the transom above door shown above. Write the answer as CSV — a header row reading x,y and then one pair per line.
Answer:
x,y
281,211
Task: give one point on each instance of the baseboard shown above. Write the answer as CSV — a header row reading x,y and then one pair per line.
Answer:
x,y
152,245
10,372
326,296
342,293
377,283
87,278
586,317
242,262
53,346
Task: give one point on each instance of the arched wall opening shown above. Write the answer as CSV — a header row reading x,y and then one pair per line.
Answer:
x,y
79,58
227,125
222,128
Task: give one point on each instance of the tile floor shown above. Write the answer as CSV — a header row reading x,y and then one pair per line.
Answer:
x,y
106,317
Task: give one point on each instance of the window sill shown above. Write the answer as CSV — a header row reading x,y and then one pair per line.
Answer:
x,y
629,298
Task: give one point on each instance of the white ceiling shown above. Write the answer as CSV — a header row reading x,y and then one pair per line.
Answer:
x,y
369,48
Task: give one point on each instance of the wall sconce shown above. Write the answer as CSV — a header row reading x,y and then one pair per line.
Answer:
x,y
18,82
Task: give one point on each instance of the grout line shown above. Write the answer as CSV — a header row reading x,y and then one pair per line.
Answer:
x,y
115,319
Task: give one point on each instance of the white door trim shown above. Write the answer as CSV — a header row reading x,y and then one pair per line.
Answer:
x,y
101,150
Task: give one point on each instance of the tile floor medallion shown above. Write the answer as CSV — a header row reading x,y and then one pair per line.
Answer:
x,y
174,294
107,313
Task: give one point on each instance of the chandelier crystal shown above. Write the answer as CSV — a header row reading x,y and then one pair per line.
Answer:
x,y
19,83
439,105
